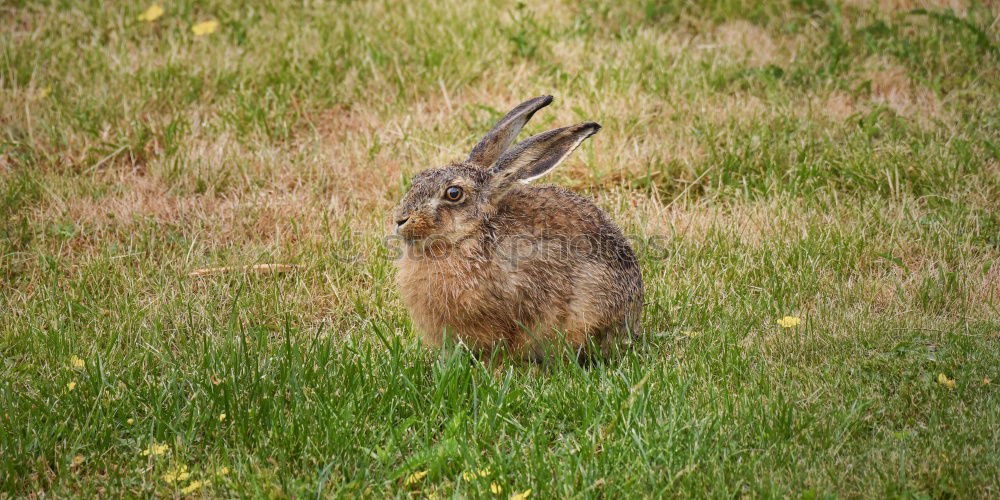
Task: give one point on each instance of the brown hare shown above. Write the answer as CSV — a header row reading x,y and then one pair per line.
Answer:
x,y
495,263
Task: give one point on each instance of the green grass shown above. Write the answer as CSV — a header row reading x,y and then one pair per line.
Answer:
x,y
839,162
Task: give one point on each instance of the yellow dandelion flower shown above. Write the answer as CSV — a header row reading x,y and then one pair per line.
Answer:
x,y
222,417
178,474
76,362
413,478
690,334
43,93
496,488
130,421
945,381
789,321
193,486
156,449
521,496
72,385
222,471
151,14
77,460
205,28
470,476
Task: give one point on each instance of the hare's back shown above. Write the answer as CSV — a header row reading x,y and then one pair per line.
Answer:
x,y
577,254
565,220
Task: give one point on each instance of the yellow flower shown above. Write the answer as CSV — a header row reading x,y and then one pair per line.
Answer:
x,y
152,13
179,473
71,385
496,488
43,93
205,28
222,417
413,478
76,362
77,460
789,321
470,476
690,334
222,471
156,449
130,421
945,381
521,496
193,486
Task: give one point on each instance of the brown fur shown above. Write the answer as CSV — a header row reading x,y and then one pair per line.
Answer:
x,y
515,265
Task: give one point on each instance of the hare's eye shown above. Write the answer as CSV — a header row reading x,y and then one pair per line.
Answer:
x,y
454,193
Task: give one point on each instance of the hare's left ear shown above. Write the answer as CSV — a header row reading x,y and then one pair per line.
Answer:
x,y
502,135
539,154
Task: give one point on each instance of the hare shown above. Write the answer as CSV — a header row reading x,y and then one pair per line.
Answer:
x,y
494,262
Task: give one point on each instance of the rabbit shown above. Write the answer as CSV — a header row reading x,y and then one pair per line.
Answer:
x,y
508,268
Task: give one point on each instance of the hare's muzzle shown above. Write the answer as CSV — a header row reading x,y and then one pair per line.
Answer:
x,y
407,228
399,226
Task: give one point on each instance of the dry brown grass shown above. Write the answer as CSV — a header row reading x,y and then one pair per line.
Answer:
x,y
750,41
905,5
891,86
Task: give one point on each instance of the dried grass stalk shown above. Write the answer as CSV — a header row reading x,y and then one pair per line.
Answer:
x,y
259,268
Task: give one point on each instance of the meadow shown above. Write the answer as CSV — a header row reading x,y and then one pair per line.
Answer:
x,y
836,162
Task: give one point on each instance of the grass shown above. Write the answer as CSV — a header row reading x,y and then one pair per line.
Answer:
x,y
834,161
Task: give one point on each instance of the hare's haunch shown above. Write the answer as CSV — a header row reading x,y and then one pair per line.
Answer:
x,y
492,261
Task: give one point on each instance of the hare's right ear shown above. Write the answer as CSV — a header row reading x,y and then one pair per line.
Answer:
x,y
537,155
502,135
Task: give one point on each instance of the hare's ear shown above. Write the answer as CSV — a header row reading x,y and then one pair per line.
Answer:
x,y
502,135
537,155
